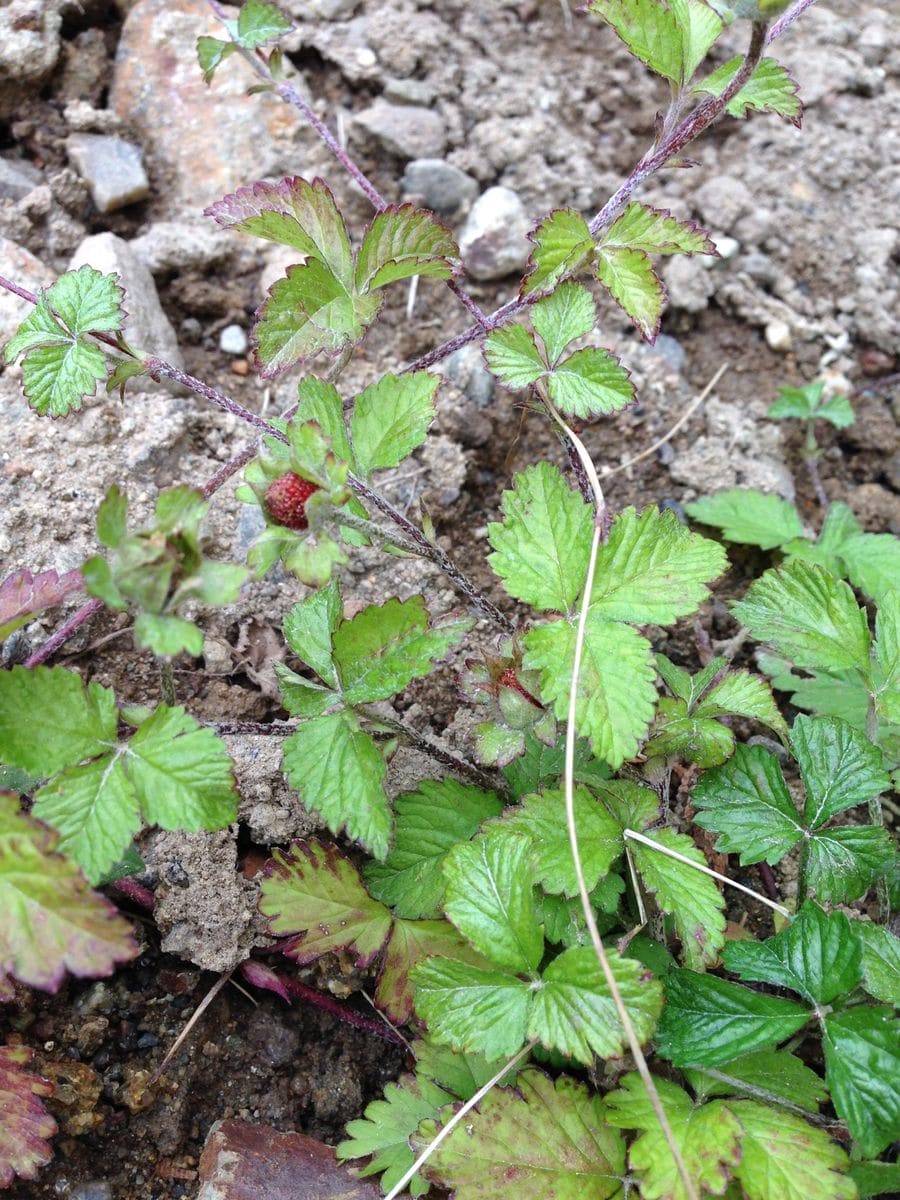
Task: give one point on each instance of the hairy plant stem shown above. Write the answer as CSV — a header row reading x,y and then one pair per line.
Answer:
x,y
167,678
379,535
262,728
65,631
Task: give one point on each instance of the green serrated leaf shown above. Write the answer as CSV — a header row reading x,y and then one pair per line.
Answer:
x,y
797,403
552,1134
112,518
839,765
410,943
308,629
886,670
707,1021
57,378
742,694
809,616
872,562
403,241
562,244
629,278
616,692
842,864
677,734
471,1009
259,23
776,1072
589,382
430,821
652,570
461,1074
49,720
489,898
167,636
391,418
690,897
770,89
339,772
567,314
708,1138
656,231
648,29
574,1012
862,1061
699,27
784,1158
314,891
818,955
749,517
318,400
881,961
211,53
512,355
542,547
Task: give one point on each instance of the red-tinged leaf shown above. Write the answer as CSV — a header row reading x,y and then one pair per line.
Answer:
x,y
293,213
50,920
404,241
23,595
629,278
770,89
261,976
26,1124
562,244
656,231
411,942
313,891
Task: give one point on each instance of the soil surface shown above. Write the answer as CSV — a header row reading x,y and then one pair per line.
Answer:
x,y
519,93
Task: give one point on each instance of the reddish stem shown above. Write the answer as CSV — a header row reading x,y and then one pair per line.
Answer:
x,y
65,631
130,889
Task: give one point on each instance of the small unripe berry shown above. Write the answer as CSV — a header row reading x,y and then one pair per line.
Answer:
x,y
286,499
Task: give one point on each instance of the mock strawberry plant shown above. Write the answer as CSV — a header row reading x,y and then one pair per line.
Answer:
x,y
538,914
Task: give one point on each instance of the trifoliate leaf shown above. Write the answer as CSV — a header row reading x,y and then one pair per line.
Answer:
x,y
574,1012
410,943
542,547
629,278
489,899
648,29
589,382
339,772
23,596
809,616
872,561
460,1074
862,1061
746,801
842,864
472,1009
543,819
652,570
616,692
769,89
308,311
776,1072
677,734
881,961
318,400
52,922
314,891
840,767
741,694
784,1158
430,821
512,355
749,517
566,314
308,629
707,1021
689,896
562,244
387,645
707,1136
656,231
386,1127
259,23
50,720
293,213
61,367
211,53
699,27
391,418
26,1123
818,955
401,242
551,1134
806,404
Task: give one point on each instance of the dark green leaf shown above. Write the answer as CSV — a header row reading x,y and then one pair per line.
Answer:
x,y
840,767
471,1009
862,1059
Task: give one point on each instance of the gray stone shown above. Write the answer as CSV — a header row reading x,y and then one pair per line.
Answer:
x,y
689,285
19,265
17,178
332,10
445,189
29,48
407,130
723,200
268,807
111,167
409,91
493,241
467,370
183,245
146,327
233,340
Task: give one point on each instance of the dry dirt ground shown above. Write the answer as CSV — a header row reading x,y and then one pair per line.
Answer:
x,y
519,95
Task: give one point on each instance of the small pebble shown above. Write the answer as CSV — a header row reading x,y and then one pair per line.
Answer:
x,y
111,167
778,336
233,340
239,366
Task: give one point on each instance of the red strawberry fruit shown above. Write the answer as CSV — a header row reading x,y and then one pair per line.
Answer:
x,y
286,499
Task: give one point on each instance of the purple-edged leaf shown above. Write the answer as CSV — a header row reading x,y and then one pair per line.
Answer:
x,y
404,241
512,355
629,278
648,29
294,213
23,595
589,382
562,244
411,942
656,231
770,89
52,922
26,1123
308,311
313,891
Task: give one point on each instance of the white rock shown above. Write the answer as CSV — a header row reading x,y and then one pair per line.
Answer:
x,y
493,241
233,340
778,336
